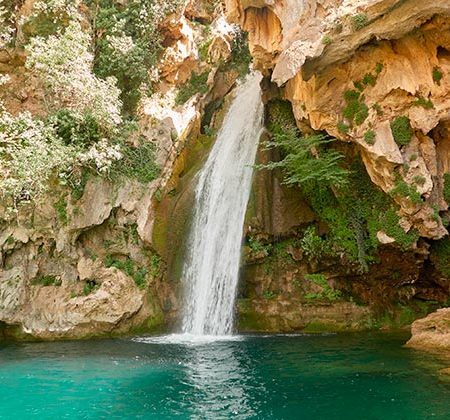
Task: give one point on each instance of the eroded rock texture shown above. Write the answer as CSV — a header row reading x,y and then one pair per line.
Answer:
x,y
357,70
396,53
85,263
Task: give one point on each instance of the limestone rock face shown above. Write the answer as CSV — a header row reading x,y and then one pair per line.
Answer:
x,y
85,264
391,52
52,312
432,332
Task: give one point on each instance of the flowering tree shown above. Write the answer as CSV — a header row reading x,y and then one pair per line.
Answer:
x,y
30,153
6,26
64,63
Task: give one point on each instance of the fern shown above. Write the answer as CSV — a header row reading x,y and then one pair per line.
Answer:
x,y
307,159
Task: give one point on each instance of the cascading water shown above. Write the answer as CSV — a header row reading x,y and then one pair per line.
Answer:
x,y
212,265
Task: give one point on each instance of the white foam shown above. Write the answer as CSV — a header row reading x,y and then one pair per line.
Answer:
x,y
188,339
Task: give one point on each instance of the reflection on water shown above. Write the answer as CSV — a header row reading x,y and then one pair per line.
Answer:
x,y
359,376
220,378
217,374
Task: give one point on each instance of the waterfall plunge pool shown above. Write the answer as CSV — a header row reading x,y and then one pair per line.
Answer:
x,y
344,376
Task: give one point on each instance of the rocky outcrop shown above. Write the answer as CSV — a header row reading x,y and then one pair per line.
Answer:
x,y
62,310
394,53
355,70
432,332
87,265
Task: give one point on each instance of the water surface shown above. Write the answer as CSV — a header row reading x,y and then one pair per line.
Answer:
x,y
360,376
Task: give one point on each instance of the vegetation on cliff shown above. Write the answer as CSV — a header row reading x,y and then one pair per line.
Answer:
x,y
339,191
92,81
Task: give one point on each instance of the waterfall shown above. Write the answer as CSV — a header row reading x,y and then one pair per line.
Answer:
x,y
211,268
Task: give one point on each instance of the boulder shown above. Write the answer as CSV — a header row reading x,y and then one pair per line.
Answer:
x,y
432,332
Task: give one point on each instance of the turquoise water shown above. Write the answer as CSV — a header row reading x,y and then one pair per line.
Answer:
x,y
296,377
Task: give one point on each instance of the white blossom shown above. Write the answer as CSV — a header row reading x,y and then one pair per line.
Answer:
x,y
4,79
6,28
121,44
102,155
57,8
30,152
64,63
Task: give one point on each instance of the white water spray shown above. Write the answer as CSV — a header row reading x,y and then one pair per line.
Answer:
x,y
211,268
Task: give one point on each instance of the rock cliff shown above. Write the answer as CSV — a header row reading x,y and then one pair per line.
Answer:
x,y
78,258
92,233
374,75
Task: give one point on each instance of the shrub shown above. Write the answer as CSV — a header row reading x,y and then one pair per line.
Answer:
x,y
379,68
306,159
362,114
31,153
136,163
358,85
196,84
327,292
437,75
389,223
102,157
256,246
300,165
356,110
47,280
424,103
326,40
402,130
138,274
369,79
403,189
76,129
369,137
64,63
89,287
128,43
313,245
8,10
359,21
351,95
343,128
